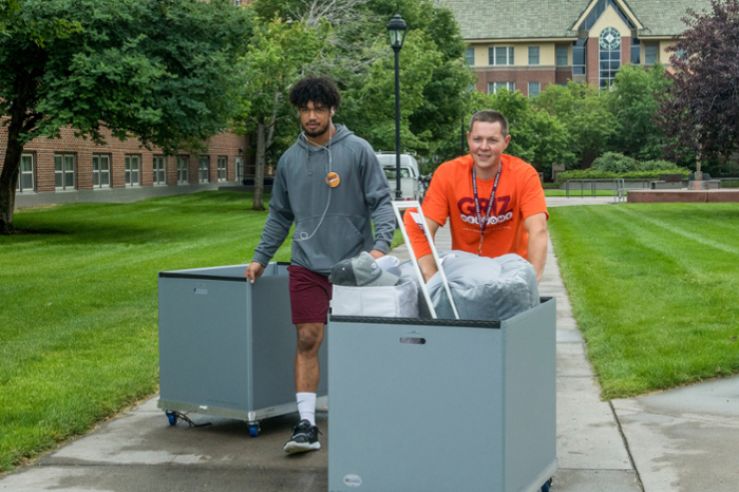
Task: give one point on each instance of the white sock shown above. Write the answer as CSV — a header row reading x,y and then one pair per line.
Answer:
x,y
307,407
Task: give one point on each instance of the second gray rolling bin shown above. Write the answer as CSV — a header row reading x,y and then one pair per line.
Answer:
x,y
227,347
440,405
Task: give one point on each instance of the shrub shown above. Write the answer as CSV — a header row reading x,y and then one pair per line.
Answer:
x,y
658,165
615,163
633,175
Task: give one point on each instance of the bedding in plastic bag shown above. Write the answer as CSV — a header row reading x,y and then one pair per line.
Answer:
x,y
484,288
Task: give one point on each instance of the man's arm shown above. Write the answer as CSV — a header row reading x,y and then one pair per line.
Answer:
x,y
275,230
536,227
379,200
426,263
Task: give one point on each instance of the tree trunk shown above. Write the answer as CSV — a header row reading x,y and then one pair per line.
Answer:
x,y
9,176
259,167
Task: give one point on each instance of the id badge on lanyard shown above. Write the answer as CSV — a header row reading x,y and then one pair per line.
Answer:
x,y
482,221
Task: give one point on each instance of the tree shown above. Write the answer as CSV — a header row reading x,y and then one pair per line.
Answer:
x,y
371,105
94,63
703,111
434,80
634,101
536,136
7,7
585,116
280,52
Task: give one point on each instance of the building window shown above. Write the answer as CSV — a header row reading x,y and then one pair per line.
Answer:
x,y
561,56
651,53
533,55
222,168
494,87
26,176
469,56
578,59
204,169
100,171
183,172
133,170
534,89
158,168
610,56
635,51
64,171
239,165
500,55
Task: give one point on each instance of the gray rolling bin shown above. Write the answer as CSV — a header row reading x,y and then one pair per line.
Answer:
x,y
226,346
442,405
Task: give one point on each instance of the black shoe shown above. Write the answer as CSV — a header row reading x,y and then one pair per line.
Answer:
x,y
305,438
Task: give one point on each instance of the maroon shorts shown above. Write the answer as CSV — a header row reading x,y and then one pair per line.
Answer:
x,y
310,293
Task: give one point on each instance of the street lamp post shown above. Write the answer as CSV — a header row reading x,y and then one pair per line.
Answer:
x,y
397,28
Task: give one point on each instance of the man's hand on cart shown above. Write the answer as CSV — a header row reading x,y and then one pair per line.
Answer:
x,y
254,271
376,253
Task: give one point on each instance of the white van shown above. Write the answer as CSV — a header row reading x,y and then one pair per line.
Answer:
x,y
411,187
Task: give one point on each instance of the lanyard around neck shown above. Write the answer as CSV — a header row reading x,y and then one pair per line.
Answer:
x,y
482,221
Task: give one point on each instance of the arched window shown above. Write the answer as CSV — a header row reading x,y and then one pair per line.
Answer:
x,y
610,56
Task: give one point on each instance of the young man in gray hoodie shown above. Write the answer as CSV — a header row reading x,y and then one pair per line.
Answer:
x,y
330,184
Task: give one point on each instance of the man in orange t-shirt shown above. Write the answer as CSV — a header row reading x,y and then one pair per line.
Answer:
x,y
494,202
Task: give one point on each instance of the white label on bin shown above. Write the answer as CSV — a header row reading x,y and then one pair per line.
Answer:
x,y
352,480
200,291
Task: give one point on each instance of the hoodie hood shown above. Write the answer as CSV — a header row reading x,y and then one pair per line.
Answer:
x,y
342,132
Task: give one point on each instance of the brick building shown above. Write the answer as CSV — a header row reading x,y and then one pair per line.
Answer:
x,y
72,164
526,45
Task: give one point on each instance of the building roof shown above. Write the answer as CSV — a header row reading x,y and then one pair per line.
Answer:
x,y
510,19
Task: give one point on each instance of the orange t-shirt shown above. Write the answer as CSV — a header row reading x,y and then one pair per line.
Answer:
x,y
519,196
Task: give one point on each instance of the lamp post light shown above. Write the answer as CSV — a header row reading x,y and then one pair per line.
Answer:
x,y
397,28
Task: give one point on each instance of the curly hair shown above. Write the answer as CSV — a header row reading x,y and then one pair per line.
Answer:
x,y
319,90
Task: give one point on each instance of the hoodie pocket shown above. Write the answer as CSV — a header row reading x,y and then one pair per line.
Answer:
x,y
320,245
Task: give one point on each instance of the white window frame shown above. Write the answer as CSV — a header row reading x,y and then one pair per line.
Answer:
x,y
494,87
65,172
469,56
534,83
99,171
239,168
609,66
495,60
557,56
132,164
159,170
537,50
222,164
183,169
204,169
647,48
29,173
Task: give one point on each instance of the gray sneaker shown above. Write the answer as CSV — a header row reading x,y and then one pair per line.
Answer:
x,y
305,438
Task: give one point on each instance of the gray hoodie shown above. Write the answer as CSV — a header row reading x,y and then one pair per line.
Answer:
x,y
331,224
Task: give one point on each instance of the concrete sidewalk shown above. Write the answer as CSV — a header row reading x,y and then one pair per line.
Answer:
x,y
681,440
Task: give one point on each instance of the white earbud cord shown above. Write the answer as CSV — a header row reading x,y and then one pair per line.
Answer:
x,y
303,236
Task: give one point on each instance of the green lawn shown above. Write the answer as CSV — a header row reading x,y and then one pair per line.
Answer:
x,y
78,324
655,290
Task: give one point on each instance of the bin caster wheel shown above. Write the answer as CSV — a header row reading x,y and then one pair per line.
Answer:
x,y
171,417
254,429
547,485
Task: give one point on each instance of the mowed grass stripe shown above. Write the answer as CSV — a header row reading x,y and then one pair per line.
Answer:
x,y
657,309
78,332
704,237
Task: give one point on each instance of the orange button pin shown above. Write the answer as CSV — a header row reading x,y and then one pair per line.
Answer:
x,y
332,179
